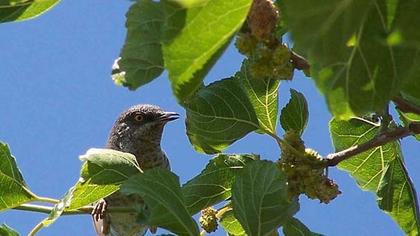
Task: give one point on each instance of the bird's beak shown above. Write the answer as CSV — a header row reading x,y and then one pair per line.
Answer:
x,y
168,116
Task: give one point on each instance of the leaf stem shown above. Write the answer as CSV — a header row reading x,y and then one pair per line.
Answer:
x,y
383,138
37,228
47,199
406,106
281,143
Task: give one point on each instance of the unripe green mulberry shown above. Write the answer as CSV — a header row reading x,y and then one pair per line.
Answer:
x,y
208,219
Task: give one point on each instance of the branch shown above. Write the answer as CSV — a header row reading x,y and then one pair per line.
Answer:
x,y
299,62
406,106
80,211
383,138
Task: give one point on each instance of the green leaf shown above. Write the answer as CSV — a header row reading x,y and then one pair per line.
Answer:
x,y
193,36
397,197
190,3
294,116
5,230
407,118
162,193
58,209
102,173
360,52
260,200
218,115
23,10
380,170
263,95
214,183
294,227
228,109
141,58
231,225
13,189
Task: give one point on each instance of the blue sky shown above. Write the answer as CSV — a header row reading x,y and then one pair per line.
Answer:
x,y
57,100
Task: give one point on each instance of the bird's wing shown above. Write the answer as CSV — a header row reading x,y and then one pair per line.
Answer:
x,y
99,224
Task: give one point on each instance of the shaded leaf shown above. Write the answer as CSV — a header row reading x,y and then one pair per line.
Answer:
x,y
214,183
294,227
162,193
231,225
102,173
407,118
397,197
263,95
141,58
5,230
13,190
193,36
294,116
218,115
260,199
380,170
24,10
361,52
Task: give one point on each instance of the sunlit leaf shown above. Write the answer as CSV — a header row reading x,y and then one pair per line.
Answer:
x,y
193,36
214,183
260,199
13,190
162,193
380,170
141,58
294,116
231,225
407,118
360,52
102,173
5,230
23,10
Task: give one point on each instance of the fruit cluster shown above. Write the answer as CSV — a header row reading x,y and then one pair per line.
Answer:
x,y
208,219
305,172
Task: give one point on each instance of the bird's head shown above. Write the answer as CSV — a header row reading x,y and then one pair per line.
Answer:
x,y
139,125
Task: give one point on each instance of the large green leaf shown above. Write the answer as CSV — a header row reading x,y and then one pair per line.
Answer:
x,y
231,225
360,52
193,36
263,95
214,183
294,116
102,173
23,10
141,56
294,227
380,170
218,115
5,230
162,193
260,200
13,190
228,109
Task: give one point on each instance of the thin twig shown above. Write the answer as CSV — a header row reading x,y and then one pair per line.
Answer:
x,y
389,136
406,106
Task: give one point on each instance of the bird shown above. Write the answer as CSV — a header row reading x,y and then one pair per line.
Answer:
x,y
138,131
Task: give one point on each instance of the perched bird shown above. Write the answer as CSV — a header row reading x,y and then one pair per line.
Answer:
x,y
137,131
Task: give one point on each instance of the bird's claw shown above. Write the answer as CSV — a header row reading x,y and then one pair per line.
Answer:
x,y
99,210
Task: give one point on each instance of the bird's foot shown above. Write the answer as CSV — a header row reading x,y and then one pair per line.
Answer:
x,y
153,229
99,209
99,217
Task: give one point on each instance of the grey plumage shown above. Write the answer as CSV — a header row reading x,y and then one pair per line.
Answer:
x,y
138,131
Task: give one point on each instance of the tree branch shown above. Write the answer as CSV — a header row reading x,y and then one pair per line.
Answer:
x,y
406,106
299,62
383,138
80,211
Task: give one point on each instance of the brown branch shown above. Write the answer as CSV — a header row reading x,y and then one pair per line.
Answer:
x,y
406,106
383,138
299,62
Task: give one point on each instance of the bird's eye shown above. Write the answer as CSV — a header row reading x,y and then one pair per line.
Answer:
x,y
138,118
